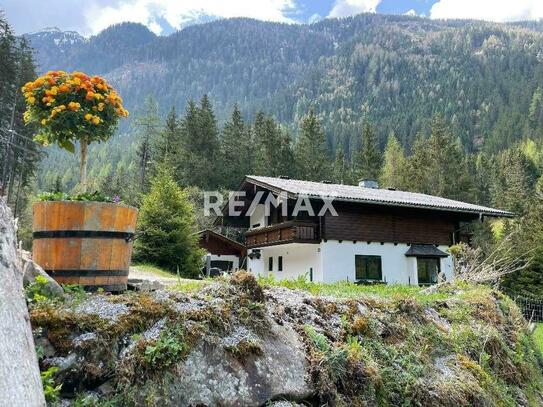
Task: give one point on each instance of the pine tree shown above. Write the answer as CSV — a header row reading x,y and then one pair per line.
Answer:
x,y
394,165
166,221
236,154
310,151
367,162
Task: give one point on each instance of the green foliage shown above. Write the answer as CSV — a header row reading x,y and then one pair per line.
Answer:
x,y
310,150
167,227
95,196
37,290
394,165
166,350
367,162
51,390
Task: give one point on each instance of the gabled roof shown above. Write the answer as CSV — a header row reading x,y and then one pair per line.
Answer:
x,y
352,193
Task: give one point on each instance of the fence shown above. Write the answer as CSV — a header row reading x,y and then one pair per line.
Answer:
x,y
532,308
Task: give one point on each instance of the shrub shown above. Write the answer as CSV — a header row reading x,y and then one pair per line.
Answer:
x,y
167,226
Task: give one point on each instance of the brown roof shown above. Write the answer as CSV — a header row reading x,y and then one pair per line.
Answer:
x,y
352,193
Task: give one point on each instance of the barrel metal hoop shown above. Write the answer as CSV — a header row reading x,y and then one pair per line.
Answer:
x,y
87,273
87,234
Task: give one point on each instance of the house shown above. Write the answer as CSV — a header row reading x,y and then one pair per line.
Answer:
x,y
354,233
222,252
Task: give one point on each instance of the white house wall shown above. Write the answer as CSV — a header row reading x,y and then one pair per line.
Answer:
x,y
333,261
338,261
298,259
225,257
258,216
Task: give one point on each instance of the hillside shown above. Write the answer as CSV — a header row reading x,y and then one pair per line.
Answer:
x,y
237,342
397,71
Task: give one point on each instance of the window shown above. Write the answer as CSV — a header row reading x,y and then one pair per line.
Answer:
x,y
270,263
280,263
428,269
368,267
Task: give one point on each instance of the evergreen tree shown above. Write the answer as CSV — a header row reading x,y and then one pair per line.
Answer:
x,y
272,147
367,162
168,144
439,166
147,126
341,168
394,165
310,151
526,242
236,154
166,221
200,146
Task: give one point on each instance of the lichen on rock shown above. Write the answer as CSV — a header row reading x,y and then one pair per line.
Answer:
x,y
238,342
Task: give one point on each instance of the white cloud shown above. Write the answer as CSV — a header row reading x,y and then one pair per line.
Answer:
x,y
492,10
345,8
410,12
179,12
314,18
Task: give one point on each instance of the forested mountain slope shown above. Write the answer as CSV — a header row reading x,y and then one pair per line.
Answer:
x,y
398,71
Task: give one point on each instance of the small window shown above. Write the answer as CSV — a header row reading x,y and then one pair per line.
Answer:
x,y
270,263
368,268
428,269
280,263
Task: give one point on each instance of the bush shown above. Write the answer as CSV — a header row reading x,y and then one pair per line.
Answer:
x,y
167,227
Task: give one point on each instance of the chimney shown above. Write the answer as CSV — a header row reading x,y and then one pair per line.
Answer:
x,y
368,183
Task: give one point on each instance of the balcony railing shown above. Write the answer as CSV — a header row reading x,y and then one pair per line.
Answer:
x,y
287,232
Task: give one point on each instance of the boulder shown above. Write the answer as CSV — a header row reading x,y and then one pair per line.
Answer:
x,y
210,376
31,270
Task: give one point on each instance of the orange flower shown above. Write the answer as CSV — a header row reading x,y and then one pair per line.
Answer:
x,y
63,88
90,95
73,106
88,116
96,120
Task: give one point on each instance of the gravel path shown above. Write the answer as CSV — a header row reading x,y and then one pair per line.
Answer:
x,y
140,274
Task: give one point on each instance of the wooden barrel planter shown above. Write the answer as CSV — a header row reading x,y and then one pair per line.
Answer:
x,y
84,243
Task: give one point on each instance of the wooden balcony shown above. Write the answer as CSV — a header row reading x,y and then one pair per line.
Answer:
x,y
287,232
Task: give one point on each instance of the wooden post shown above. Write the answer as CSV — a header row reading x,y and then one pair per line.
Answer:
x,y
20,382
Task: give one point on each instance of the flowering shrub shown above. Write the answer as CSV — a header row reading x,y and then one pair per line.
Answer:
x,y
68,107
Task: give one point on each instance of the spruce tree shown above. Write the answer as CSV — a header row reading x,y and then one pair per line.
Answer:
x,y
236,154
200,146
394,165
168,144
147,125
367,162
167,224
341,168
310,151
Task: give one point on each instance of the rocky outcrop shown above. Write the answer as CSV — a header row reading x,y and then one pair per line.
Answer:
x,y
31,270
237,343
20,383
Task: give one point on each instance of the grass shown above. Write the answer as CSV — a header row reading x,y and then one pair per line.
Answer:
x,y
182,284
152,269
538,336
346,289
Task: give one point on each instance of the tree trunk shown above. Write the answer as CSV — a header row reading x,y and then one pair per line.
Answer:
x,y
20,382
83,166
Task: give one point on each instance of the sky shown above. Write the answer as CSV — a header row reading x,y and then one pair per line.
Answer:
x,y
89,17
